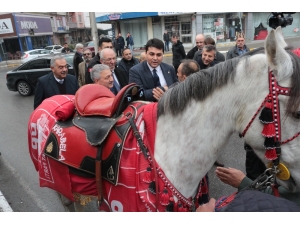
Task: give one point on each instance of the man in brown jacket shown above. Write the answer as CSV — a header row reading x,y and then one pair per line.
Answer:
x,y
83,75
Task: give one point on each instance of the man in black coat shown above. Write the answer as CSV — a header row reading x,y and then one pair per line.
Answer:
x,y
121,43
77,58
152,72
166,40
199,45
103,43
55,83
127,61
108,57
178,52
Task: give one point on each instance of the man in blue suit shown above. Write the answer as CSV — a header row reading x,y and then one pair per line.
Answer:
x,y
55,83
152,72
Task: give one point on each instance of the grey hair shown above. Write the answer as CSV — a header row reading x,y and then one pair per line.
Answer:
x,y
79,45
105,50
53,60
97,69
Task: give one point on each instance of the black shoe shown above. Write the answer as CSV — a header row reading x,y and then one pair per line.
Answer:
x,y
217,163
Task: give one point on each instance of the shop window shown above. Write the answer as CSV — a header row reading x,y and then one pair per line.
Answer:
x,y
181,29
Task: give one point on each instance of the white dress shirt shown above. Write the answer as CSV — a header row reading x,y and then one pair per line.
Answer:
x,y
160,74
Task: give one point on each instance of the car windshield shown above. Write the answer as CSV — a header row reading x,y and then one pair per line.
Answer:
x,y
89,44
49,48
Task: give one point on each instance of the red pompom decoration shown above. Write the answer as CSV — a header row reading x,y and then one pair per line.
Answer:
x,y
271,154
269,130
148,176
164,197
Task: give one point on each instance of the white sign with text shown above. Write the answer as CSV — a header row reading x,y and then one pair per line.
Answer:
x,y
6,26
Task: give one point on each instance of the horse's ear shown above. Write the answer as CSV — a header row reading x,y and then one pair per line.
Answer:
x,y
278,58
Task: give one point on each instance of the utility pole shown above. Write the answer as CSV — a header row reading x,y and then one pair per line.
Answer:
x,y
94,30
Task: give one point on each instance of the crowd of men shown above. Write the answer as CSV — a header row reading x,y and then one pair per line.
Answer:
x,y
149,72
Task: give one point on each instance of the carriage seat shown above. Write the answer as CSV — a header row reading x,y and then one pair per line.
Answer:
x,y
97,100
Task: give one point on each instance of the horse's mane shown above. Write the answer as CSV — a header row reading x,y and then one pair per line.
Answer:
x,y
197,86
202,83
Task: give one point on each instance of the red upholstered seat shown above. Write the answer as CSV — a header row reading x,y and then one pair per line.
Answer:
x,y
97,100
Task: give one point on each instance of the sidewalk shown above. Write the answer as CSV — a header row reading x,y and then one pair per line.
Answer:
x,y
4,206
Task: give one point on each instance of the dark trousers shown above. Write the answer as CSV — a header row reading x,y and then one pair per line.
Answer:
x,y
254,166
118,52
167,46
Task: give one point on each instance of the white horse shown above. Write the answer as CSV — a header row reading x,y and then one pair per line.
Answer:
x,y
212,104
196,118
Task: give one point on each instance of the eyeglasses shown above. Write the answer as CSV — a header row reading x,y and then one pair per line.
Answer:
x,y
86,53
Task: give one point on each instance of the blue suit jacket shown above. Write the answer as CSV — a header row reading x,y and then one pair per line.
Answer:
x,y
47,87
142,76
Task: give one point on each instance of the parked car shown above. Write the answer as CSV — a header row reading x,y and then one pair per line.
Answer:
x,y
31,54
24,78
91,46
54,48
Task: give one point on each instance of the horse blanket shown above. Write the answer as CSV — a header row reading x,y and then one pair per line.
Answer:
x,y
141,184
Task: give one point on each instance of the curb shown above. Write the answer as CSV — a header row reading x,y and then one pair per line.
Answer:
x,y
4,206
10,65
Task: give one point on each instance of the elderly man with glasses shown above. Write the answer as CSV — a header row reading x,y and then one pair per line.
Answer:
x,y
83,74
108,57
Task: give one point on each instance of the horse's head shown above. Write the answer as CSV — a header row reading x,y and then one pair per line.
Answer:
x,y
284,103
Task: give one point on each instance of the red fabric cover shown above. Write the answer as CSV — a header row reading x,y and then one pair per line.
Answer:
x,y
66,111
41,121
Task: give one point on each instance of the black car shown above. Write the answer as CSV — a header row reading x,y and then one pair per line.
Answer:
x,y
24,78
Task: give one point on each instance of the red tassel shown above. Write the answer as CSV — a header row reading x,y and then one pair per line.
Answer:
x,y
181,207
271,154
269,130
148,176
164,197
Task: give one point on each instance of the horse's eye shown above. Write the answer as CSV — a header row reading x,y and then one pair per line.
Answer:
x,y
297,115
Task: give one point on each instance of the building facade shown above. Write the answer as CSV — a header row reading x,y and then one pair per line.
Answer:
x,y
221,26
21,32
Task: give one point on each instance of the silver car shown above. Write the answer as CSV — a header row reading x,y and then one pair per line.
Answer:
x,y
54,48
31,54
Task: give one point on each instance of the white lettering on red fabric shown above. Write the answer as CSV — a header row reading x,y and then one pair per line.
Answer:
x,y
116,206
62,141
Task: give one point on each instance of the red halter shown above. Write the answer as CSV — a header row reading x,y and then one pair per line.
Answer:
x,y
274,91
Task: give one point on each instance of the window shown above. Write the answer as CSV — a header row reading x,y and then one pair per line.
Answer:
x,y
57,47
79,18
181,27
36,64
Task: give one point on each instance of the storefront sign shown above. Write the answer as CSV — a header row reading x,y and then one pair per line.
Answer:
x,y
28,25
6,26
172,13
115,16
37,24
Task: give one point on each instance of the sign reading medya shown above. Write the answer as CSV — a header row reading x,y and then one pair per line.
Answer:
x,y
6,26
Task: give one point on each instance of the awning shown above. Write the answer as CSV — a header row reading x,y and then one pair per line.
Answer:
x,y
124,16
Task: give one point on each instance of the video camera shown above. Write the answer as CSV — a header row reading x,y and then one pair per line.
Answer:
x,y
278,19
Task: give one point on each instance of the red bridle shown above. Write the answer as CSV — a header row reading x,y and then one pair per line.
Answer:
x,y
274,91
